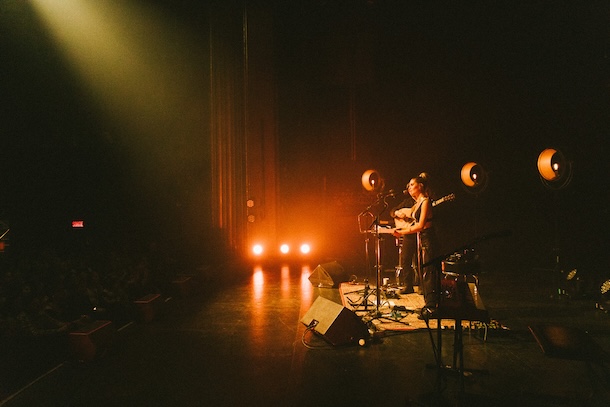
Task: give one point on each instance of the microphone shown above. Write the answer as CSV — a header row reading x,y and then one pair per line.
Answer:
x,y
392,193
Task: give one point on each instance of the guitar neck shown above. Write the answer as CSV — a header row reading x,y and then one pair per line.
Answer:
x,y
446,198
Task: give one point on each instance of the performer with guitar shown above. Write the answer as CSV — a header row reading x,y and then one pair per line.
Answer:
x,y
418,222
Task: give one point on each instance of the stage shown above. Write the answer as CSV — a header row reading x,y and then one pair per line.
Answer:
x,y
396,312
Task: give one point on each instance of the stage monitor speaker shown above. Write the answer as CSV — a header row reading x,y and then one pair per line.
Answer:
x,y
335,323
328,275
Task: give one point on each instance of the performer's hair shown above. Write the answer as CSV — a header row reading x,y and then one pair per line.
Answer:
x,y
423,178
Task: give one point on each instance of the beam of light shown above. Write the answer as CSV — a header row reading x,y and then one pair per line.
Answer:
x,y
101,41
137,67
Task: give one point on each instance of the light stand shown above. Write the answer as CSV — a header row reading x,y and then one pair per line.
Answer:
x,y
474,180
378,262
555,174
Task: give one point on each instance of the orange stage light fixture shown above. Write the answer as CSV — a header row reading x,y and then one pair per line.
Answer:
x,y
305,248
471,174
554,169
372,181
550,164
257,249
474,177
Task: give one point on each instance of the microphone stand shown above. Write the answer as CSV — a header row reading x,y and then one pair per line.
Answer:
x,y
365,230
378,259
374,226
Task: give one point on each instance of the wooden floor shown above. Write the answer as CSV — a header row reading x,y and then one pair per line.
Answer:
x,y
241,343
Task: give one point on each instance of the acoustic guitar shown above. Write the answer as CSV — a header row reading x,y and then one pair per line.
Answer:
x,y
402,217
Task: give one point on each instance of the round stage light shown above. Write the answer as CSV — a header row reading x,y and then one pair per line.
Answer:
x,y
550,162
305,248
285,248
470,174
257,249
372,181
474,177
555,171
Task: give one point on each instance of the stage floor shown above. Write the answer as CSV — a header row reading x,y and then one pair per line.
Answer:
x,y
241,342
396,312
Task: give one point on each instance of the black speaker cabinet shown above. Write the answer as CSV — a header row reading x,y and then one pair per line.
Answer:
x,y
335,323
328,275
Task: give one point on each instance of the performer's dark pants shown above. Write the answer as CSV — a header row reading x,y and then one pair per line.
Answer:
x,y
430,273
408,275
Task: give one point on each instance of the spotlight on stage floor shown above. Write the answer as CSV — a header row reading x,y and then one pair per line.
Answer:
x,y
474,177
554,169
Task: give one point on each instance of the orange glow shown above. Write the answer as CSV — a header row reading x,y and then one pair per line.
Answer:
x,y
306,287
257,249
305,248
548,164
371,180
469,177
285,281
256,336
258,283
